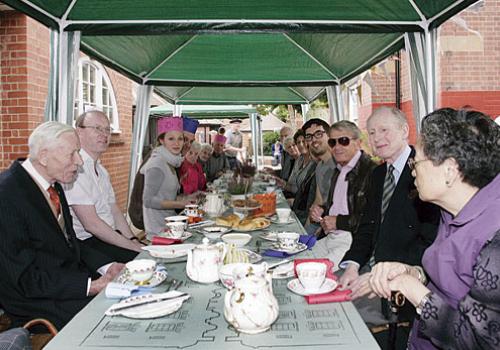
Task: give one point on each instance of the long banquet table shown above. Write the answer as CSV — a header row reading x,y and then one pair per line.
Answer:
x,y
200,323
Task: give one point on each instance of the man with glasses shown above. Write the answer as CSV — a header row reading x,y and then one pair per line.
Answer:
x,y
395,225
340,215
316,136
97,220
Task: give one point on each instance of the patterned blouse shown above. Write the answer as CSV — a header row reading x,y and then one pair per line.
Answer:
x,y
475,324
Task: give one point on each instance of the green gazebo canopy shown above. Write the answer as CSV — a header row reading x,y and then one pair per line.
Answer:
x,y
214,51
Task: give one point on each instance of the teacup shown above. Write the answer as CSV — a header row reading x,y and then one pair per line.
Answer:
x,y
140,270
311,275
283,214
176,229
191,210
287,240
272,181
178,218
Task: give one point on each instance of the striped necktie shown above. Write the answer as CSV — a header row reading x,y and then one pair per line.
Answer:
x,y
389,186
54,198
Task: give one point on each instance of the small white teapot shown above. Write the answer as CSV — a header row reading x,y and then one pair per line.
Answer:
x,y
250,306
214,204
204,260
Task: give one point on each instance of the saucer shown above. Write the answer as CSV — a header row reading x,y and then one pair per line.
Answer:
x,y
269,236
184,236
253,257
297,287
157,278
276,221
168,251
284,271
300,247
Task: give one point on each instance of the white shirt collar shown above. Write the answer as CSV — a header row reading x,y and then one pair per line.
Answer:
x,y
400,162
28,166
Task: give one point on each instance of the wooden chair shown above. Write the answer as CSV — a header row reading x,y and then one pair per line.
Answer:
x,y
39,340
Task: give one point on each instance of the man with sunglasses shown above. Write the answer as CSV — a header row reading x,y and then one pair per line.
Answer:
x,y
395,225
316,136
97,220
340,215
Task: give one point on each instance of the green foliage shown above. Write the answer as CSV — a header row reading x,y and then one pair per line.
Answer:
x,y
268,138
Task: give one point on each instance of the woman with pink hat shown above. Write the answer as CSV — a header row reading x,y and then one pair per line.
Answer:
x,y
161,185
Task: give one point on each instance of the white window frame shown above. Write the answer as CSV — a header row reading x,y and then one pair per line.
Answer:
x,y
100,75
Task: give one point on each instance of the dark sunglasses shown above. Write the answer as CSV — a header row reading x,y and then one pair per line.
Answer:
x,y
343,141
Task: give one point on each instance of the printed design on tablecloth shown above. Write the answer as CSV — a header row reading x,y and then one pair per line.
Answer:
x,y
121,327
325,325
165,327
321,313
285,327
213,304
287,314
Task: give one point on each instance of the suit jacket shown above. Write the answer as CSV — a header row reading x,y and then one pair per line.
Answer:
x,y
42,273
409,227
359,180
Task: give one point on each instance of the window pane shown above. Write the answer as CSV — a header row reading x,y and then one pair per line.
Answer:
x,y
92,94
105,96
85,87
85,72
92,74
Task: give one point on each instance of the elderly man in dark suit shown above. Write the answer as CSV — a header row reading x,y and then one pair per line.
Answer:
x,y
44,270
396,225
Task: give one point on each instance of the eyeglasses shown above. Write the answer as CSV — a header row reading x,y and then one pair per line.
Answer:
x,y
100,129
344,141
317,135
412,163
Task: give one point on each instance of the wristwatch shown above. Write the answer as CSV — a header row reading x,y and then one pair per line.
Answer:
x,y
422,303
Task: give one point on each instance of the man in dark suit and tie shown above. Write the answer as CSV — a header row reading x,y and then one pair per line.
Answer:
x,y
396,225
44,270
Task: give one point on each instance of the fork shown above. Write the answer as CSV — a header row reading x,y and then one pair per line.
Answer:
x,y
172,282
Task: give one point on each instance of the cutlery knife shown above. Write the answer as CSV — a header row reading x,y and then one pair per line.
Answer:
x,y
145,302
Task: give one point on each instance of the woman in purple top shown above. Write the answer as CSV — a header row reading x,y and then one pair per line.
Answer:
x,y
457,299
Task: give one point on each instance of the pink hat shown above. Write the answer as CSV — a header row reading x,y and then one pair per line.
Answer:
x,y
169,124
220,138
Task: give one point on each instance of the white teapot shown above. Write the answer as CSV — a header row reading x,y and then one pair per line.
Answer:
x,y
250,306
214,204
204,260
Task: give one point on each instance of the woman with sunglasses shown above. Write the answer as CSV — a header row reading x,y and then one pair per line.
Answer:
x,y
161,185
456,166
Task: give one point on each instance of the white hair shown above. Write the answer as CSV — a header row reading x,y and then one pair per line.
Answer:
x,y
195,146
207,146
288,141
46,135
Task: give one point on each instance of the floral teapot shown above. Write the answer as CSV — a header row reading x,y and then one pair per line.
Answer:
x,y
204,260
251,306
214,204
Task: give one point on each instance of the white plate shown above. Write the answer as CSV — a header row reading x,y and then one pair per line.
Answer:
x,y
284,271
184,236
252,256
299,248
297,287
157,279
169,251
269,236
214,232
251,230
153,310
275,220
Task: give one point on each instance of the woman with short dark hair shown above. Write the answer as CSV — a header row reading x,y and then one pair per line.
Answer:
x,y
456,166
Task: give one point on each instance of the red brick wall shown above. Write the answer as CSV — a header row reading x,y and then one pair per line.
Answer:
x,y
471,75
24,61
